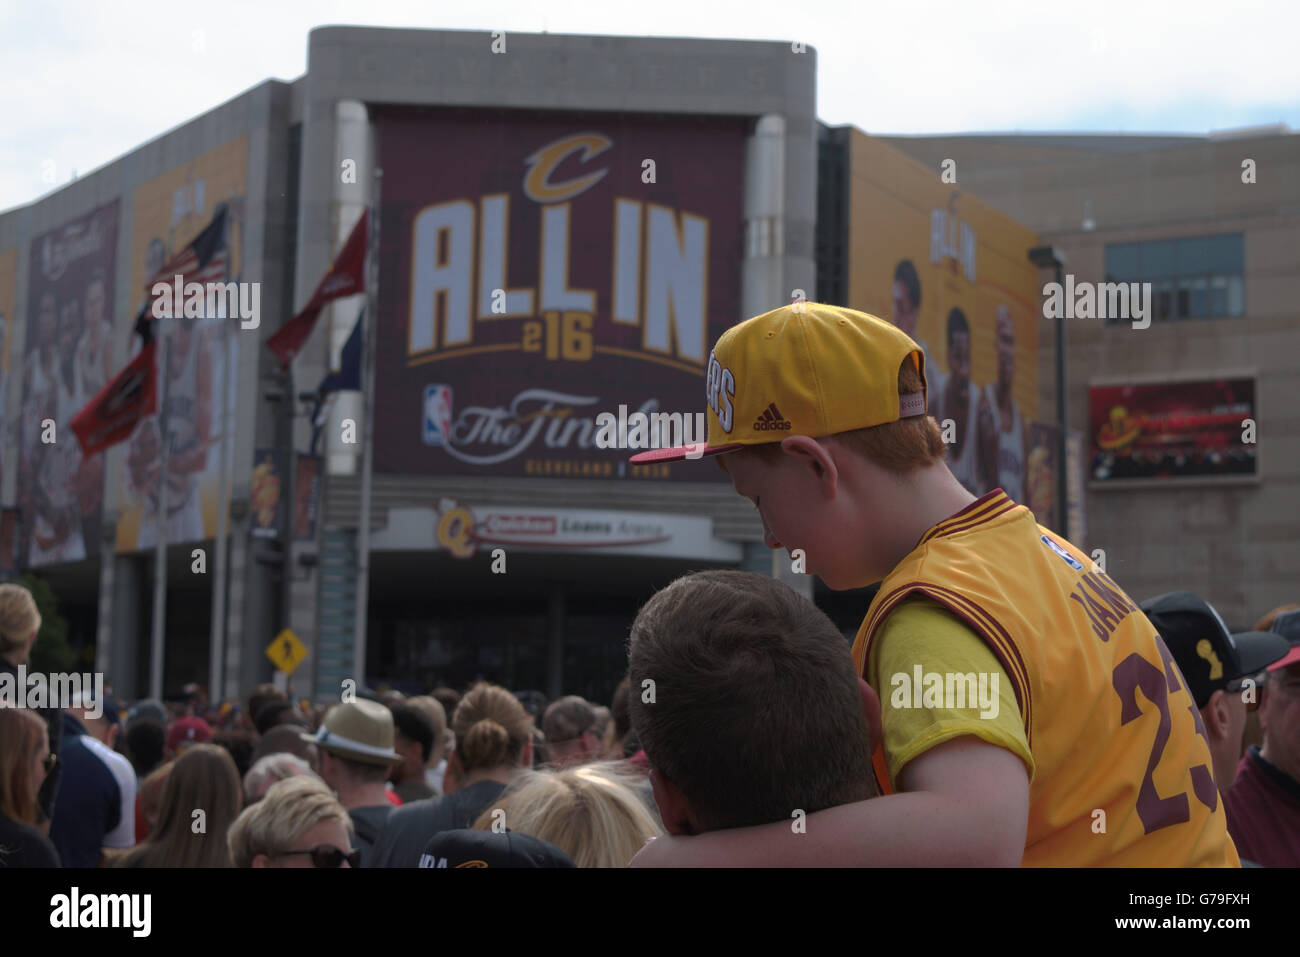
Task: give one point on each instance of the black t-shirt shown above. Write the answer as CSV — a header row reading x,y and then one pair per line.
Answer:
x,y
410,826
23,846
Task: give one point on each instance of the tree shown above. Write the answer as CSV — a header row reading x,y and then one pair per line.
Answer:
x,y
50,653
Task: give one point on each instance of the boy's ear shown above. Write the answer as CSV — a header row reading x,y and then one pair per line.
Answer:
x,y
673,808
871,710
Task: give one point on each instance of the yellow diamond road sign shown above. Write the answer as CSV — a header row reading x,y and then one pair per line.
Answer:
x,y
286,652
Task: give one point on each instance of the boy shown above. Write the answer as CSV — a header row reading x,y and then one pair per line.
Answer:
x,y
722,666
1084,747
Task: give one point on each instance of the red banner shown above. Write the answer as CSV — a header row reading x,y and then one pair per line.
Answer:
x,y
1173,429
545,270
111,416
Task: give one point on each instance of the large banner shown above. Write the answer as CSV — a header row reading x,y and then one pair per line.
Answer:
x,y
541,269
8,295
954,274
68,354
170,211
1172,429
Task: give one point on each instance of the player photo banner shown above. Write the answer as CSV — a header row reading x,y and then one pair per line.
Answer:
x,y
69,313
266,496
954,274
538,270
306,497
1171,430
189,219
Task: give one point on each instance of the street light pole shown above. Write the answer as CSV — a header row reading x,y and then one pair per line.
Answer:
x,y
1042,257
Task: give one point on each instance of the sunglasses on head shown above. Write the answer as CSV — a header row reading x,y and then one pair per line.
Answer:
x,y
327,855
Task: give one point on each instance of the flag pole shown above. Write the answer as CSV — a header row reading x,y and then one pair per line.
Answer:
x,y
160,548
369,323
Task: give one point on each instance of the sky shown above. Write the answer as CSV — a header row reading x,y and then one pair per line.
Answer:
x,y
82,83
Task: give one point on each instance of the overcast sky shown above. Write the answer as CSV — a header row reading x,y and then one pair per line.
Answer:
x,y
82,83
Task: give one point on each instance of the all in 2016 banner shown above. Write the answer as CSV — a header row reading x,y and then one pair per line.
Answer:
x,y
540,269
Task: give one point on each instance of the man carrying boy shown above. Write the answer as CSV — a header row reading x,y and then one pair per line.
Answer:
x,y
1093,754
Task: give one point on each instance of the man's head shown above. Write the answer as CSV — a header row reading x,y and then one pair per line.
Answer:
x,y
98,715
572,736
1006,347
958,346
270,769
432,709
19,623
413,736
1279,708
355,747
1222,670
906,296
756,710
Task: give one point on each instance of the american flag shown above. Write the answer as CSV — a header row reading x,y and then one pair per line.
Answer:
x,y
206,259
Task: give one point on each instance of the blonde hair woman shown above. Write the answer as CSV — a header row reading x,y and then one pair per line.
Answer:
x,y
25,761
19,624
590,812
298,824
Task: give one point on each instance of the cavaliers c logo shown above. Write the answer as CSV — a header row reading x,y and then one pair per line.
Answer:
x,y
537,184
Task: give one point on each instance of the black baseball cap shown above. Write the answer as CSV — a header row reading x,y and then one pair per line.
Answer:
x,y
466,847
1208,655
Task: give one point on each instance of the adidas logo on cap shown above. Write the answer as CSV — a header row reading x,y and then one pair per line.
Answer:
x,y
771,420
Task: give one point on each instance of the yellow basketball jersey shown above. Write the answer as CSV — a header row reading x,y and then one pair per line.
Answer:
x,y
1122,765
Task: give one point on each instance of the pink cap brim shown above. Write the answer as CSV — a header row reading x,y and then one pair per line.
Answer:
x,y
696,450
1291,658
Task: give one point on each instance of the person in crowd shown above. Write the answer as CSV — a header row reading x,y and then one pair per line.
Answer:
x,y
745,657
570,728
96,807
20,622
592,813
355,746
1263,806
413,739
436,766
906,313
493,742
276,713
240,744
149,800
449,698
25,761
144,743
185,732
203,787
286,737
1222,670
604,718
263,695
270,769
299,823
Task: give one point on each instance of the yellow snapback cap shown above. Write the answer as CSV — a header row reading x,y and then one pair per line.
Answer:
x,y
803,369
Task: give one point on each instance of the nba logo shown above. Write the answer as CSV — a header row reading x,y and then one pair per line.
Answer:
x,y
437,415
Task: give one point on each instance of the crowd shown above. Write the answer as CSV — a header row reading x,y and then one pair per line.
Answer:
x,y
722,667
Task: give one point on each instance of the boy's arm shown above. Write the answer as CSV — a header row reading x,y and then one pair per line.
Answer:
x,y
965,803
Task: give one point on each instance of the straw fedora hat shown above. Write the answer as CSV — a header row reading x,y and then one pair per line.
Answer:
x,y
358,730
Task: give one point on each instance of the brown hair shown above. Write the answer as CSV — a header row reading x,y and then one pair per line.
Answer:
x,y
1266,623
203,779
22,732
18,617
755,711
491,728
899,447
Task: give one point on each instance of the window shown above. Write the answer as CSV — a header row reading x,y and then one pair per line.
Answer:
x,y
1200,277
